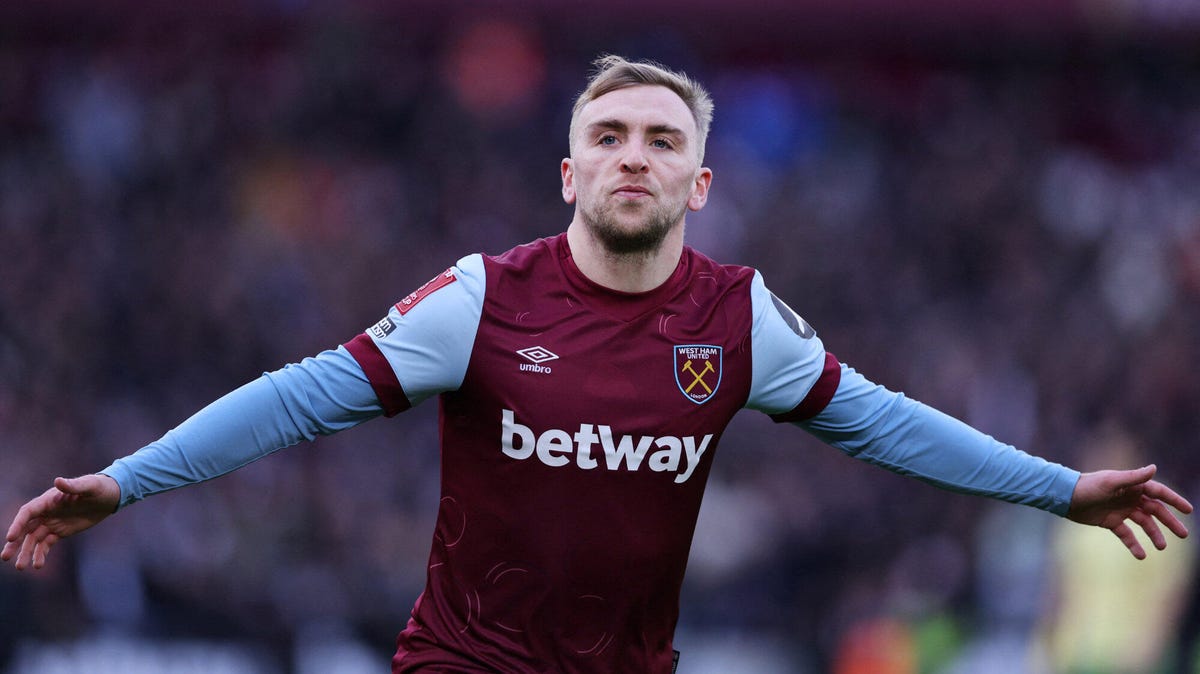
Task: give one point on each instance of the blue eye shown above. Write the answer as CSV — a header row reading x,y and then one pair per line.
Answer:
x,y
608,140
660,143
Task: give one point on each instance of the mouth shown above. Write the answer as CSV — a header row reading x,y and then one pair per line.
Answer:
x,y
631,191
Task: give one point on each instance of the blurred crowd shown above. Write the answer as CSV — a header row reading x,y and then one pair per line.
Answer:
x,y
1010,234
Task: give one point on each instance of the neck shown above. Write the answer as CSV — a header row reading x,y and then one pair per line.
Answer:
x,y
630,273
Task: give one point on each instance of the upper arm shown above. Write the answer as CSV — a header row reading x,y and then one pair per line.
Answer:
x,y
423,345
793,376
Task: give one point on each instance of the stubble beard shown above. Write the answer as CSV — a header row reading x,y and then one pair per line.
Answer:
x,y
624,241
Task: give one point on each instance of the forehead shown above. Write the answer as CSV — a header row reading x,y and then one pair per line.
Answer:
x,y
641,105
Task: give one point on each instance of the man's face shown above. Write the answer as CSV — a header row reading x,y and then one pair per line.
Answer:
x,y
634,169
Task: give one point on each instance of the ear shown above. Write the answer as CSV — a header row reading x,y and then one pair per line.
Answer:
x,y
699,195
568,180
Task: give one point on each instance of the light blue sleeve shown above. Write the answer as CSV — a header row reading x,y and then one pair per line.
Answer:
x,y
428,344
888,429
788,355
318,396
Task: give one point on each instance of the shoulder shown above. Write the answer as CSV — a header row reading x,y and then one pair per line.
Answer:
x,y
535,253
702,264
709,279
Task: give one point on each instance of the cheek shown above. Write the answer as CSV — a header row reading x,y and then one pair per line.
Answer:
x,y
583,183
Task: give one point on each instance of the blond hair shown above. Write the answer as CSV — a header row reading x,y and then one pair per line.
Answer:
x,y
614,72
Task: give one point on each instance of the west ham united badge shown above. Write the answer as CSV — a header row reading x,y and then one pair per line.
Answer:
x,y
698,371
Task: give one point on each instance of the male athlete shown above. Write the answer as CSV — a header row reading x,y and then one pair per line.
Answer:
x,y
585,381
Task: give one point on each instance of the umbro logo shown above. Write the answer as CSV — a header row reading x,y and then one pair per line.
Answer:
x,y
536,355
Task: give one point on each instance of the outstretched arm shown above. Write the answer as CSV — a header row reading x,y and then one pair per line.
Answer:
x,y
69,507
890,430
319,396
1108,498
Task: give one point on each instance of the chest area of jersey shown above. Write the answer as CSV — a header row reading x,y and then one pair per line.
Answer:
x,y
676,360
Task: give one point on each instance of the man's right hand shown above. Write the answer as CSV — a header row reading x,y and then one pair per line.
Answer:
x,y
69,507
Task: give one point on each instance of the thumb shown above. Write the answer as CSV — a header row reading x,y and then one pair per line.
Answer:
x,y
74,485
1144,473
1131,478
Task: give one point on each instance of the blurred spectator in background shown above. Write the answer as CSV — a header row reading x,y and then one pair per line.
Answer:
x,y
1096,595
177,185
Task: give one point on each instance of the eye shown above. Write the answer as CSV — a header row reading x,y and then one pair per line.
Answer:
x,y
661,143
608,140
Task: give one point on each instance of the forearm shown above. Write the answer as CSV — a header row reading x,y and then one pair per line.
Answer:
x,y
890,430
320,396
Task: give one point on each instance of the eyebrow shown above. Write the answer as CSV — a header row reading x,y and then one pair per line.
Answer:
x,y
618,125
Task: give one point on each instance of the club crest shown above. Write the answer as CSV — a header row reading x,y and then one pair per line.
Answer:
x,y
698,371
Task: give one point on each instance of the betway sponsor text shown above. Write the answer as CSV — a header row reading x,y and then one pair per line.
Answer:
x,y
556,447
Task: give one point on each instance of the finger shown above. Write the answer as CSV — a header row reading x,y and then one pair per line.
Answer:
x,y
1164,515
19,545
1167,495
28,517
16,535
10,549
1124,479
29,544
73,486
1127,537
1147,523
18,524
25,556
42,549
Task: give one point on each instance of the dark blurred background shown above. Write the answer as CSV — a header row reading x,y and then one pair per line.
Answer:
x,y
993,208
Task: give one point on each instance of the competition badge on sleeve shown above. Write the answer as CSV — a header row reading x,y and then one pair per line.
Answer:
x,y
698,371
436,283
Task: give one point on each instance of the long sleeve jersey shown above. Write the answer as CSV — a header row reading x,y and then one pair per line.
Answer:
x,y
578,428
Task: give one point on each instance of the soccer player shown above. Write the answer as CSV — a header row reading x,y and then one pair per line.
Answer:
x,y
585,381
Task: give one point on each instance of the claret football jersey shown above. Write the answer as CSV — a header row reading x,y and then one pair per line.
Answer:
x,y
578,428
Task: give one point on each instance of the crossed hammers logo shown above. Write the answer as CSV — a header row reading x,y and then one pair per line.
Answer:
x,y
699,376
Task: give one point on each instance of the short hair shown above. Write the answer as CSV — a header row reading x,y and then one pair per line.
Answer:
x,y
614,72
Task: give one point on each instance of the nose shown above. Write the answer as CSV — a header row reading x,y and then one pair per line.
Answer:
x,y
634,161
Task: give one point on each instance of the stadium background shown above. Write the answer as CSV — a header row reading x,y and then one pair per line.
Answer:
x,y
992,208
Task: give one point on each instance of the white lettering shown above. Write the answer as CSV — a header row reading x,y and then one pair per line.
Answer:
x,y
666,459
623,450
554,446
584,439
509,429
693,455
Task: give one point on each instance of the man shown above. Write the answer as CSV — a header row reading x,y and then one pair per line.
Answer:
x,y
584,383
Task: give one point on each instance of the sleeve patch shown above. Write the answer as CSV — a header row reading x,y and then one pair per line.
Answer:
x,y
793,320
383,328
440,281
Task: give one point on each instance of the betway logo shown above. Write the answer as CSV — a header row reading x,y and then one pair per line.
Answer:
x,y
555,447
